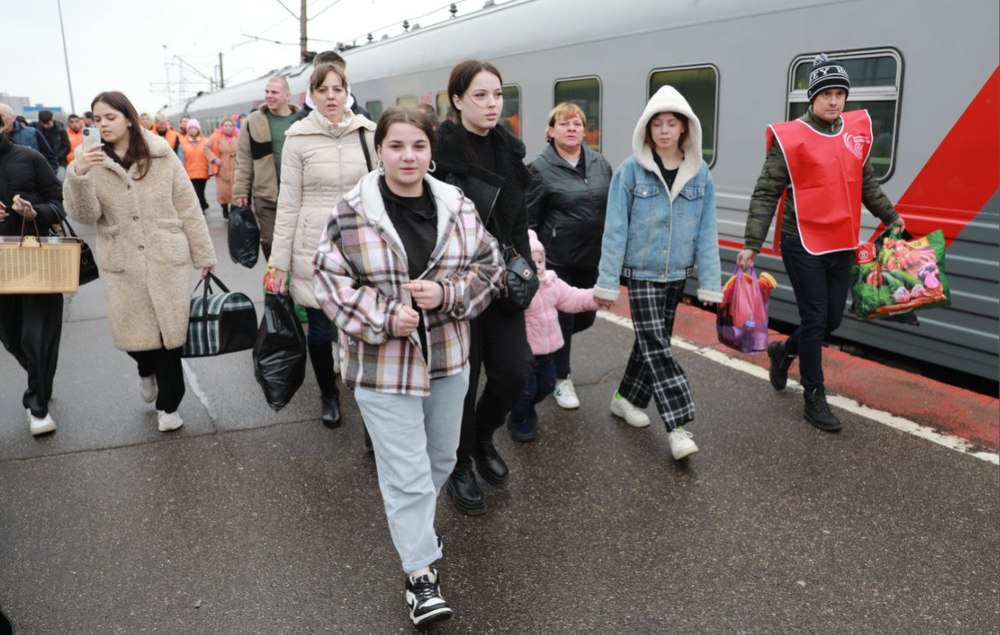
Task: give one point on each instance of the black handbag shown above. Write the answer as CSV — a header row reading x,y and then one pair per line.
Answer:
x,y
220,322
518,283
244,236
88,266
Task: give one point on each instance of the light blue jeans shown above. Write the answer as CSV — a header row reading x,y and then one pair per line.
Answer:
x,y
415,439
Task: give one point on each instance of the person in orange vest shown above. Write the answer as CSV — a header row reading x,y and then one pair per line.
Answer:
x,y
197,157
161,127
74,130
816,175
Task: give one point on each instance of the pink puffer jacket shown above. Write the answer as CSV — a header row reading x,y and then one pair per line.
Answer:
x,y
542,317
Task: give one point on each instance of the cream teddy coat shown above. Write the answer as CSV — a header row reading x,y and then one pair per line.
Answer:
x,y
320,163
150,232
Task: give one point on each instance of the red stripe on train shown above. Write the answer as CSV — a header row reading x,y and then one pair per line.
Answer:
x,y
962,174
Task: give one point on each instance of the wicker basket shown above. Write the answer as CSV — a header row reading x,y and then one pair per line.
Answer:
x,y
39,265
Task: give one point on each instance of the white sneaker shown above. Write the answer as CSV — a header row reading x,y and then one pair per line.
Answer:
x,y
168,420
43,425
566,394
147,388
681,445
620,407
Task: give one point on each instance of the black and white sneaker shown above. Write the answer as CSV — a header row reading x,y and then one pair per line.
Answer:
x,y
423,596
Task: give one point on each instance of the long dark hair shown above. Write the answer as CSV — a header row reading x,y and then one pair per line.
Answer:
x,y
462,75
138,150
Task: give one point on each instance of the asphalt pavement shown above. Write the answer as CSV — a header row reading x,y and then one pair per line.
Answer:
x,y
251,521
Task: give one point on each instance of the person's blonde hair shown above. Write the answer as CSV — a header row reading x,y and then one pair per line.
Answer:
x,y
322,70
565,110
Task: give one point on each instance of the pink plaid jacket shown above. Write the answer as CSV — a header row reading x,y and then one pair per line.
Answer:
x,y
360,267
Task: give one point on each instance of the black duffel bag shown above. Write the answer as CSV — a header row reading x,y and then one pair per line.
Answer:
x,y
220,322
244,236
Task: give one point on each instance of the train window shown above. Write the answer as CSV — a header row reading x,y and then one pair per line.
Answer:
x,y
585,93
700,87
876,79
510,117
375,108
407,101
442,104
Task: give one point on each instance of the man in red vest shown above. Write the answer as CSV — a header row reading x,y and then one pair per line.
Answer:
x,y
816,175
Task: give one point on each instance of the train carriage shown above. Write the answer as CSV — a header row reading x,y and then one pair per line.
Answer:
x,y
743,65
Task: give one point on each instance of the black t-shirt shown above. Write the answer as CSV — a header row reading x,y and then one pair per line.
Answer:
x,y
482,148
415,220
668,175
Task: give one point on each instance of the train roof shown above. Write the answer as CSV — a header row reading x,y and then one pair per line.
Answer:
x,y
518,26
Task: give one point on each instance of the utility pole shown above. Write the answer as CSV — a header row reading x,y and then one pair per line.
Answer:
x,y
303,41
69,82
222,77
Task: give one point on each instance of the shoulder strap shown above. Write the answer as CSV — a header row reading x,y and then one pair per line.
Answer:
x,y
364,148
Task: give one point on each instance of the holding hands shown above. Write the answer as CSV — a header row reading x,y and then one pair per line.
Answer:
x,y
3,212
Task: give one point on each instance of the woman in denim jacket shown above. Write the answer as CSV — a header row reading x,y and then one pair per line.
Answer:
x,y
660,223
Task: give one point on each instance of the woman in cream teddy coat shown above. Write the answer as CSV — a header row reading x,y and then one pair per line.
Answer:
x,y
150,232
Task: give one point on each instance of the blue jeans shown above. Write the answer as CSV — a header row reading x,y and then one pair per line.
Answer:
x,y
414,440
541,383
821,284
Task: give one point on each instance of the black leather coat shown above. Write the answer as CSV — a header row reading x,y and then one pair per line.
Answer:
x,y
567,209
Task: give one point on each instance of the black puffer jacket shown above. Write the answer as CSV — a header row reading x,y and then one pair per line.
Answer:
x,y
567,209
498,197
26,172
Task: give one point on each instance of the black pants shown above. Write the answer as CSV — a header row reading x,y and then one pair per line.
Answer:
x,y
572,323
166,365
199,189
499,343
821,284
30,328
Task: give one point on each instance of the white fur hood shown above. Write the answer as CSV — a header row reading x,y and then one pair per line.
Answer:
x,y
667,99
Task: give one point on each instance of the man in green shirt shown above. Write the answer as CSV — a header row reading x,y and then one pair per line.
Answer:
x,y
258,156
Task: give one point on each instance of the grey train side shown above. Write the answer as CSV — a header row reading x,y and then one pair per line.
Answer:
x,y
754,53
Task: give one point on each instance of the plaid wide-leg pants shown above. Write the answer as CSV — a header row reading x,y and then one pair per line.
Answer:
x,y
652,371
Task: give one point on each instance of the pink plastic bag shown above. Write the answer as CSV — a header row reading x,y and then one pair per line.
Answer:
x,y
741,320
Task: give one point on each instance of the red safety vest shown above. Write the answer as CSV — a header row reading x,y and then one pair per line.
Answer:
x,y
827,173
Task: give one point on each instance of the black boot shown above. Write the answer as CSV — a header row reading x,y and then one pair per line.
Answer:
x,y
465,491
818,413
489,463
322,362
225,210
780,362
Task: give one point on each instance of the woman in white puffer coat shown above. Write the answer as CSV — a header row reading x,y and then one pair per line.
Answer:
x,y
323,158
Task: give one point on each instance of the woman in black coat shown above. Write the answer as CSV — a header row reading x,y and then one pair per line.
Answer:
x,y
487,163
567,201
31,324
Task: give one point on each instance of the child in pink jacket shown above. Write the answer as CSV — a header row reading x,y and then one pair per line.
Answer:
x,y
545,338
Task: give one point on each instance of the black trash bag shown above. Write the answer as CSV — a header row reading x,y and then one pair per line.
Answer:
x,y
244,236
279,354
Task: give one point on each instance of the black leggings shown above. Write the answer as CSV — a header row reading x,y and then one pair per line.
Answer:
x,y
166,365
499,343
199,189
572,323
30,328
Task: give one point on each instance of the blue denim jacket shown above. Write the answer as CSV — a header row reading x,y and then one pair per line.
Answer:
x,y
650,237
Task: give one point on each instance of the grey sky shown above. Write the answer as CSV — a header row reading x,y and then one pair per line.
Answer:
x,y
119,44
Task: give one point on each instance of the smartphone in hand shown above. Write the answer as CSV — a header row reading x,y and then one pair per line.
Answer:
x,y
91,137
